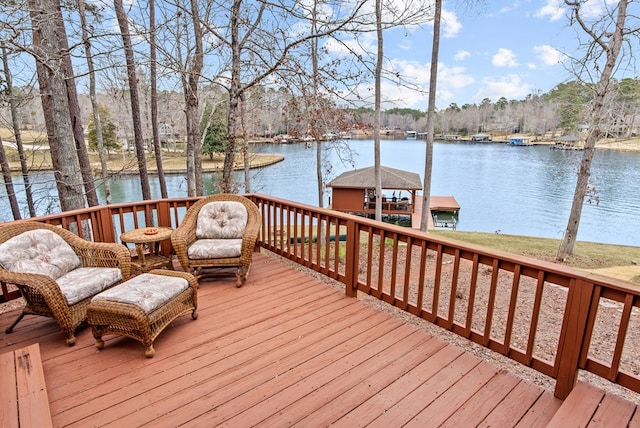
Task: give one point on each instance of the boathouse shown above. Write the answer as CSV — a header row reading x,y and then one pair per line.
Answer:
x,y
481,138
568,142
355,191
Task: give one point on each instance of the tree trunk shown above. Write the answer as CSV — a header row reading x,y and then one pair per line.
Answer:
x,y
94,103
234,96
135,100
8,183
55,103
596,116
377,107
315,108
245,145
190,78
157,145
74,112
18,135
191,115
194,78
431,117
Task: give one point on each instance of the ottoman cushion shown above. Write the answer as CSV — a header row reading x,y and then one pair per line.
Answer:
x,y
146,291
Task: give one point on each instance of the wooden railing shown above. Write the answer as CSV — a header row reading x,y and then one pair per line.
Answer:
x,y
496,299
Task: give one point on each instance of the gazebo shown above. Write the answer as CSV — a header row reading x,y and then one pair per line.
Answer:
x,y
354,191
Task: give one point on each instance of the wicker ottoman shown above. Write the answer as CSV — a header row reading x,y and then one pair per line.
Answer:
x,y
143,306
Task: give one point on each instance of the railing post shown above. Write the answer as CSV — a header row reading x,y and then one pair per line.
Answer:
x,y
351,262
164,213
107,232
572,336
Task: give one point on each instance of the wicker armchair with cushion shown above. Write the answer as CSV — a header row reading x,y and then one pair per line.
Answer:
x,y
57,272
218,231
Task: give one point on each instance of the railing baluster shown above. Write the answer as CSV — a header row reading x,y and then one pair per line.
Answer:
x,y
495,272
515,287
472,296
533,326
453,295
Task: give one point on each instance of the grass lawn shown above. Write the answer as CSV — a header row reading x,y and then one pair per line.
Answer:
x,y
614,260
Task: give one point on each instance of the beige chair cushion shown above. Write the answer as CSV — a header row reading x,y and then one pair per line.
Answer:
x,y
82,283
38,251
215,249
221,220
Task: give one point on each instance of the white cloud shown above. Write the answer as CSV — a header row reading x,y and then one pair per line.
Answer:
x,y
512,6
549,55
554,9
364,45
450,81
462,54
510,87
504,58
453,77
451,26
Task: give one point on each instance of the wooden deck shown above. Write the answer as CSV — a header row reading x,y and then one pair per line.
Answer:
x,y
288,350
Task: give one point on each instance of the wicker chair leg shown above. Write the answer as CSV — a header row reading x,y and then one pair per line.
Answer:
x,y
71,339
194,314
240,278
10,328
150,352
99,342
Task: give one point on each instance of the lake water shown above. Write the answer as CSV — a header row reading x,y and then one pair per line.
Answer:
x,y
500,188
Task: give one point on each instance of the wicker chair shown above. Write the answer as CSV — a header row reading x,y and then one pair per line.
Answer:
x,y
43,293
218,231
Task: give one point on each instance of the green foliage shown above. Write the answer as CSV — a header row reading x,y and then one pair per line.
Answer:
x,y
215,138
454,107
571,99
416,114
109,132
628,92
363,110
502,103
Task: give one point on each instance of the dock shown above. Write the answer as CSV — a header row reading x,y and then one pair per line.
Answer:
x,y
436,203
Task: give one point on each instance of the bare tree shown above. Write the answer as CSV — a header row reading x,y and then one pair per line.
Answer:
x,y
153,70
190,85
8,181
134,98
74,113
377,107
50,56
264,51
15,121
431,113
94,102
605,45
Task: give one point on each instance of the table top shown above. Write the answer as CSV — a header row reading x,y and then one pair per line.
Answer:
x,y
143,235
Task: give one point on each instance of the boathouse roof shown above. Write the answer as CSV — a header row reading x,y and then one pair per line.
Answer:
x,y
364,178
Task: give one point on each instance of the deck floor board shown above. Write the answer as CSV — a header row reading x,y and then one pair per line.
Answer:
x,y
283,350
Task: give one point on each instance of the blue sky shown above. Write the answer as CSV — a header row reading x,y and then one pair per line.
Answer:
x,y
495,49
